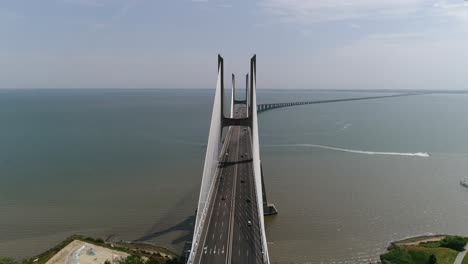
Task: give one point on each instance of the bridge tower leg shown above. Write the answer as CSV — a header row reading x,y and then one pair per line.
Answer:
x,y
268,209
221,70
233,95
247,99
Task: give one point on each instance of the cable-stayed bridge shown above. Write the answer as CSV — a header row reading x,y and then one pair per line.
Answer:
x,y
229,225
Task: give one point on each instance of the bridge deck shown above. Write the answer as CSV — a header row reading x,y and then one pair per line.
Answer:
x,y
271,106
227,237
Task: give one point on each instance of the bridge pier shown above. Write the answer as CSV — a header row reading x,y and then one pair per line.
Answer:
x,y
268,208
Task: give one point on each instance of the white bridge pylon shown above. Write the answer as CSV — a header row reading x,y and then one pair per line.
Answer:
x,y
214,147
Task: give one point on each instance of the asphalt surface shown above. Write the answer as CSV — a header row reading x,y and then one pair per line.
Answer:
x,y
227,236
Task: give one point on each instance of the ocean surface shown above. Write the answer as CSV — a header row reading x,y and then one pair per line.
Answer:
x,y
347,178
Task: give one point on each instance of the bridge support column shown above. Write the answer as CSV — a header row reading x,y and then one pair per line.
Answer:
x,y
247,99
221,70
233,95
268,208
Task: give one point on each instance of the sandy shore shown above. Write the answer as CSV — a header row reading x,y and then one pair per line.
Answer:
x,y
419,239
79,252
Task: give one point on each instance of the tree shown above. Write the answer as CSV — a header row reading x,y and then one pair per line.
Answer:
x,y
132,259
454,242
432,259
396,255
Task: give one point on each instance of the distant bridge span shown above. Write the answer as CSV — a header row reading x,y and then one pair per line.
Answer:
x,y
271,106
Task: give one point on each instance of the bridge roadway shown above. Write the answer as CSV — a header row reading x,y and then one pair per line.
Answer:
x,y
227,236
271,106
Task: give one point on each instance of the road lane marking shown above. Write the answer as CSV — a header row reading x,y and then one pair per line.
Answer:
x,y
233,204
253,194
212,201
239,217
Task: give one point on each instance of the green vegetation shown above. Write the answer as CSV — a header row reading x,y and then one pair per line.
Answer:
x,y
442,252
432,259
422,254
454,242
134,259
5,260
134,251
397,255
435,244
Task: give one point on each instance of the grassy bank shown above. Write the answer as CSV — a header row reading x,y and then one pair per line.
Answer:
x,y
157,255
427,251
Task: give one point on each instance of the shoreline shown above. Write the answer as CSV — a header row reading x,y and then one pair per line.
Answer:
x,y
426,248
144,250
418,239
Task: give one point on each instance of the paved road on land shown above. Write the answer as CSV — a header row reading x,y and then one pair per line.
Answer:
x,y
461,256
227,235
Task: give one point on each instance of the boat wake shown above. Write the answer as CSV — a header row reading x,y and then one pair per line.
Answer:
x,y
416,154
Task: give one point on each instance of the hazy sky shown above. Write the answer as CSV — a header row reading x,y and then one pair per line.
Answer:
x,y
309,44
